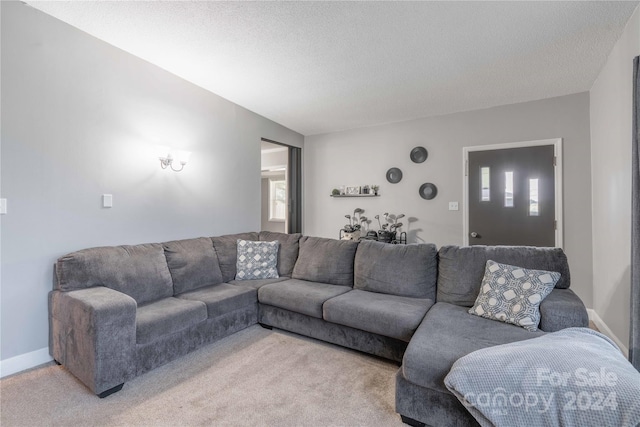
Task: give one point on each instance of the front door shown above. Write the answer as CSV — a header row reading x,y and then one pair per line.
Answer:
x,y
512,196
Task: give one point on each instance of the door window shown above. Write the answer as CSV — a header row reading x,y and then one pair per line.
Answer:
x,y
485,179
508,189
533,197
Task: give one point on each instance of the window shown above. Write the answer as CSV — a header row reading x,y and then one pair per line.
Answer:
x,y
277,200
508,189
485,191
533,197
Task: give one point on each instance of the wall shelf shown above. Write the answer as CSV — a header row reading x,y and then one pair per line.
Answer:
x,y
355,195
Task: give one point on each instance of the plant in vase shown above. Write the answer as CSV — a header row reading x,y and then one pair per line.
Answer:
x,y
352,230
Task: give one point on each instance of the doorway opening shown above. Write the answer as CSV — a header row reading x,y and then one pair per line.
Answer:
x,y
513,194
280,187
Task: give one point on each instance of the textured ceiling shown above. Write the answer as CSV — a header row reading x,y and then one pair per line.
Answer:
x,y
319,67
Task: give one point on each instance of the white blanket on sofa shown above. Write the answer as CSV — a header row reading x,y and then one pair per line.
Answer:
x,y
574,377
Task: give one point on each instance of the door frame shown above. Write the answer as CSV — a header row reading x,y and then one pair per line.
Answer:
x,y
557,152
293,177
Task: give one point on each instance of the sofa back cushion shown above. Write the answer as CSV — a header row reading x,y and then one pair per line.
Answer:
x,y
461,269
325,260
139,271
227,249
193,263
403,270
288,253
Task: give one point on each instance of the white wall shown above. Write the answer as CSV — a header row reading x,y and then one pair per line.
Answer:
x,y
363,156
79,119
275,159
611,111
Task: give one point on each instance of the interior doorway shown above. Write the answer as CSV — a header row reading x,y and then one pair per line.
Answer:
x,y
280,187
513,194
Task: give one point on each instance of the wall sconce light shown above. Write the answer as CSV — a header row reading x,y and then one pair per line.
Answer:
x,y
169,157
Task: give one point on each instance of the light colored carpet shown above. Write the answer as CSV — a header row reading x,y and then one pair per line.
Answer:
x,y
256,377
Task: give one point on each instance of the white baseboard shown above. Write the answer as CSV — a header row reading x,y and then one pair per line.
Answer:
x,y
597,320
24,362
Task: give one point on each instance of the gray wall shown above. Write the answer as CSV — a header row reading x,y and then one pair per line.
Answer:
x,y
80,118
363,156
611,102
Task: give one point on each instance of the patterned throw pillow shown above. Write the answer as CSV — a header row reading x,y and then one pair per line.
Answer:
x,y
257,260
513,294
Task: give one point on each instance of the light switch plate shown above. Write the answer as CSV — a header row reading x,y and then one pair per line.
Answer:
x,y
3,206
453,206
107,200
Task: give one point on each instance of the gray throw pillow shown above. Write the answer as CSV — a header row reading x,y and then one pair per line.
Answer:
x,y
257,260
513,294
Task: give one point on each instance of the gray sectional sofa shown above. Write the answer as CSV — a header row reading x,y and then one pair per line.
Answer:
x,y
449,332
117,312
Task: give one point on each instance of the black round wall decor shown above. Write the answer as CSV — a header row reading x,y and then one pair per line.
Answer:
x,y
394,175
428,191
419,155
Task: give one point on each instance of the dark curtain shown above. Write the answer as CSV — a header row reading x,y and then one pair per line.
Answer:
x,y
295,190
634,335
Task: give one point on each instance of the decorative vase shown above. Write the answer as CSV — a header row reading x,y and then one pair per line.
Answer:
x,y
354,235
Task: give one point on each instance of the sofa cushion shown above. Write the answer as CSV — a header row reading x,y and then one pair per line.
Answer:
x,y
257,283
389,315
289,247
325,260
460,269
222,298
513,294
139,271
257,260
300,296
167,316
446,334
193,263
227,249
562,308
404,270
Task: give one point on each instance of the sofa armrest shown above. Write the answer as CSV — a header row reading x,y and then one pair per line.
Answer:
x,y
93,334
562,308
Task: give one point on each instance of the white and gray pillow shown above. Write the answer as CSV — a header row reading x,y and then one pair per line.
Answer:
x,y
257,260
513,294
